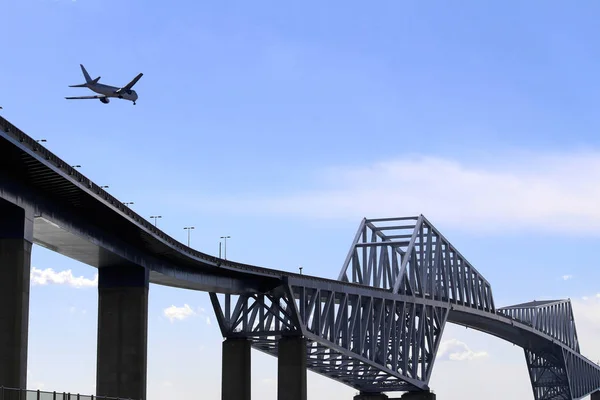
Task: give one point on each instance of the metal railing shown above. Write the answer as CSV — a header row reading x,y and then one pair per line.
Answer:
x,y
22,394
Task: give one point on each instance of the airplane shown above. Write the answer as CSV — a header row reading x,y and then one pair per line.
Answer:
x,y
106,91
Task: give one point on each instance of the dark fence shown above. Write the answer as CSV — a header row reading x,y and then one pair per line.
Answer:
x,y
22,394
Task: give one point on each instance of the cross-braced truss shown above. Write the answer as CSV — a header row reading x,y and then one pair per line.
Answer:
x,y
379,326
583,374
552,317
409,256
563,375
548,376
365,340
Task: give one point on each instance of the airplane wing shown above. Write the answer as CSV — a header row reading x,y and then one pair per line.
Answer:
x,y
85,97
130,84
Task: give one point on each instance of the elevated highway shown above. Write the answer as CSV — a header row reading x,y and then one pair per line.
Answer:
x,y
376,328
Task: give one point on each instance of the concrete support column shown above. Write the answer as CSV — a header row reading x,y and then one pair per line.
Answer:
x,y
122,332
291,372
370,396
595,396
235,378
16,237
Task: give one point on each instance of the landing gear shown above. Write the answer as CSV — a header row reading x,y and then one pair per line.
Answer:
x,y
134,103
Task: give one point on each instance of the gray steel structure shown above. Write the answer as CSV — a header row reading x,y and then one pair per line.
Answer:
x,y
376,328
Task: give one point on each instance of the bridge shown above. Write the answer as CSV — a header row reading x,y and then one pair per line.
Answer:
x,y
376,328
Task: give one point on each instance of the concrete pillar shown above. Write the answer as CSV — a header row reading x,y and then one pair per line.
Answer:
x,y
122,332
370,396
291,372
595,396
235,378
418,396
16,237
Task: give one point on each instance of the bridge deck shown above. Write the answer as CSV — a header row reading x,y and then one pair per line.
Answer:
x,y
57,194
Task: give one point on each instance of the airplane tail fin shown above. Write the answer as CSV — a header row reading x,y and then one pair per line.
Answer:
x,y
88,79
85,74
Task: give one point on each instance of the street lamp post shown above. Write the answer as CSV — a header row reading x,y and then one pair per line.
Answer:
x,y
224,237
155,217
188,229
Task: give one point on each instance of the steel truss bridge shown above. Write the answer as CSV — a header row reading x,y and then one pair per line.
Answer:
x,y
376,328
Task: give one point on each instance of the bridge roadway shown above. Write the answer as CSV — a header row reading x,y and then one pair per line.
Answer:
x,y
68,213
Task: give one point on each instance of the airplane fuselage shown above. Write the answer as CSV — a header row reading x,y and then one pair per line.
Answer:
x,y
111,91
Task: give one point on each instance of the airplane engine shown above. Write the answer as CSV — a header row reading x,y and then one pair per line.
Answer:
x,y
105,100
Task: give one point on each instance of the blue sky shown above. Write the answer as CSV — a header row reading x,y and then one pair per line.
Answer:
x,y
284,125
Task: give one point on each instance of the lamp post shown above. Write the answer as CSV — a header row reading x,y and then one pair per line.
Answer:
x,y
224,237
188,229
155,217
300,268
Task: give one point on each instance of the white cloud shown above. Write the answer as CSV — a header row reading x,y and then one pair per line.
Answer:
x,y
556,193
456,350
75,310
567,277
50,277
180,313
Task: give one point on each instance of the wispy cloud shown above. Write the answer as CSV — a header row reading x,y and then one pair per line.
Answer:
x,y
50,277
455,350
567,277
75,310
540,192
174,313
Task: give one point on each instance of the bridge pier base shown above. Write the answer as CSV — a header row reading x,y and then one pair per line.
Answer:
x,y
235,378
16,237
122,332
371,396
291,368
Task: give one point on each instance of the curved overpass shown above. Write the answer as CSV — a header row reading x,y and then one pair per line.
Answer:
x,y
376,328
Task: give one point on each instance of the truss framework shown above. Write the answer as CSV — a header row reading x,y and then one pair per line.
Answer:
x,y
390,343
379,329
548,376
552,317
409,256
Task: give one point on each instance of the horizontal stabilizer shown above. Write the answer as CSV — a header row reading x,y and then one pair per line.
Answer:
x,y
82,85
